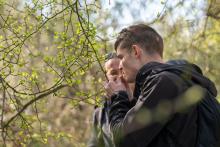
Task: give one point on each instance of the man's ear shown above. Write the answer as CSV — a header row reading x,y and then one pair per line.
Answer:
x,y
136,51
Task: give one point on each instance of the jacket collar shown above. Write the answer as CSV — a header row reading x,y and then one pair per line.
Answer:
x,y
192,71
142,74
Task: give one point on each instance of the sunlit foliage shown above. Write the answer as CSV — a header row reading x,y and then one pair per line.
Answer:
x,y
51,57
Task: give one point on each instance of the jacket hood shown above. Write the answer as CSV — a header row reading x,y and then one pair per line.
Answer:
x,y
180,67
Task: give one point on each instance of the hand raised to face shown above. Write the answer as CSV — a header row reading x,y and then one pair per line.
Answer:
x,y
114,85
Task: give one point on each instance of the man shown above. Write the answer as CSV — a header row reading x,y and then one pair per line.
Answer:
x,y
167,112
101,136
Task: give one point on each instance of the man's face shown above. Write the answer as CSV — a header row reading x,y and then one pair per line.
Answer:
x,y
128,64
112,68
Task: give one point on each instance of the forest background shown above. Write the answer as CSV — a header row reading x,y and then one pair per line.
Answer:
x,y
52,55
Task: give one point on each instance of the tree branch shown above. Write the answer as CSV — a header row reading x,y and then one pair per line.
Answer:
x,y
31,102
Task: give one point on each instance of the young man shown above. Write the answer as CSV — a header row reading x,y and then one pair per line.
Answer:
x,y
166,113
101,136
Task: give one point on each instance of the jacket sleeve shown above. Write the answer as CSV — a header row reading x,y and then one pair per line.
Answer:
x,y
142,122
93,140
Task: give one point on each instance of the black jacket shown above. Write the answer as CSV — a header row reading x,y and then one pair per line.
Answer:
x,y
165,114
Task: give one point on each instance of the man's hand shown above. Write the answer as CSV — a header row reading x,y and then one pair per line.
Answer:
x,y
114,85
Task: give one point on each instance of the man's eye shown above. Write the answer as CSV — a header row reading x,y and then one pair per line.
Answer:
x,y
114,72
120,57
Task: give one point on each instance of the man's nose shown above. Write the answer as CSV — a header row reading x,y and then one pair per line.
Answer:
x,y
120,66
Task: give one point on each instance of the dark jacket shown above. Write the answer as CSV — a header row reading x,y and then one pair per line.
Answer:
x,y
101,136
165,114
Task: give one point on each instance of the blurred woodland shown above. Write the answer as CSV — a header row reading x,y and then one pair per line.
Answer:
x,y
51,59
